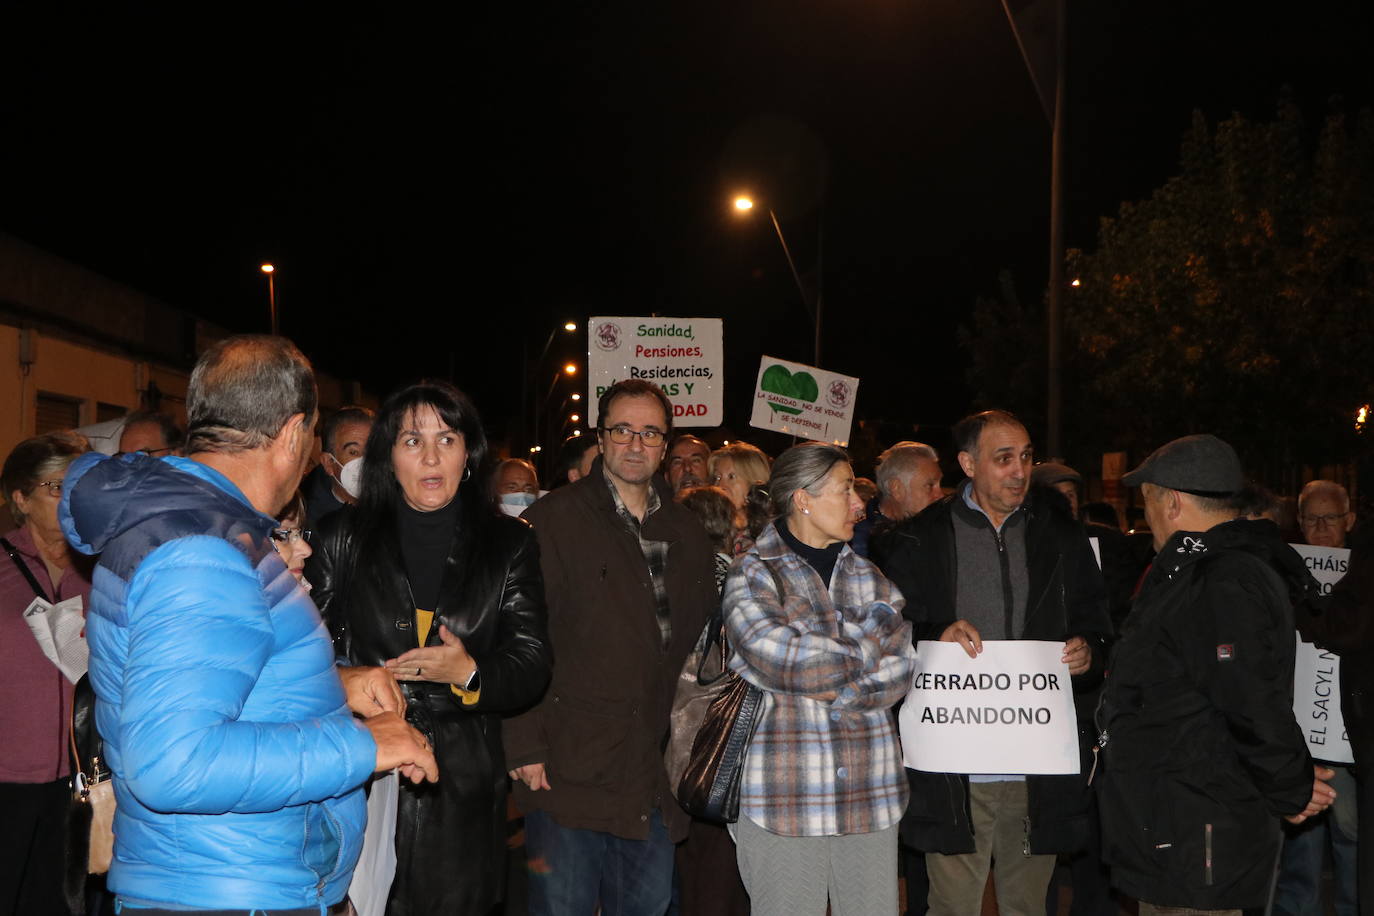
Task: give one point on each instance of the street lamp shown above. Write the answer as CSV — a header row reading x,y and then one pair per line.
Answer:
x,y
531,372
271,294
743,204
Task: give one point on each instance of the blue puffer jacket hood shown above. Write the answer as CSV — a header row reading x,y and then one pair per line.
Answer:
x,y
121,492
237,764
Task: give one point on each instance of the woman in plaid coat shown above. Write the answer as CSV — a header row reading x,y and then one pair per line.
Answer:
x,y
819,629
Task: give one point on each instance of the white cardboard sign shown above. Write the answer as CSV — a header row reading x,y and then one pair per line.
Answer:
x,y
804,401
1008,711
683,356
1317,673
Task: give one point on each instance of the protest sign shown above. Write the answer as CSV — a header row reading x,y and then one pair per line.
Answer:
x,y
804,401
1008,711
1317,673
683,356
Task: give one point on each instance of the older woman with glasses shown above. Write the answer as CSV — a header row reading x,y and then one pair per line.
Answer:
x,y
35,697
292,539
819,630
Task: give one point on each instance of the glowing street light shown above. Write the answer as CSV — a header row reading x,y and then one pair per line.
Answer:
x,y
574,418
570,326
570,368
271,294
743,204
1075,282
576,396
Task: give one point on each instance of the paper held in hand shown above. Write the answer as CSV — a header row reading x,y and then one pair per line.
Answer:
x,y
58,628
1009,711
1317,672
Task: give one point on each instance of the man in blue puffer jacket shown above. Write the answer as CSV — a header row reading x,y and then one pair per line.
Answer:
x,y
237,760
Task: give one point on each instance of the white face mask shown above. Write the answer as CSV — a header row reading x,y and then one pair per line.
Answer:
x,y
351,476
515,503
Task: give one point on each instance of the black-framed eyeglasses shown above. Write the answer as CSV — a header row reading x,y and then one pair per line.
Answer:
x,y
623,435
290,535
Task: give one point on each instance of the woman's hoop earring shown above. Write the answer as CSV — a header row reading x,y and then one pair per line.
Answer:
x,y
467,472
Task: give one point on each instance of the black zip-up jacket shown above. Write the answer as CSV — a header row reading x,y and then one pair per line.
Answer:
x,y
1066,598
1201,754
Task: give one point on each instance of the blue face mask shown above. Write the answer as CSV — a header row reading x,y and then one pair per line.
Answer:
x,y
515,503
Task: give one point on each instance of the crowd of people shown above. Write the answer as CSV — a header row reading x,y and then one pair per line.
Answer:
x,y
321,693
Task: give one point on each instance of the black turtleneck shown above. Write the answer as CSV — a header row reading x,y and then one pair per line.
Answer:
x,y
425,540
822,559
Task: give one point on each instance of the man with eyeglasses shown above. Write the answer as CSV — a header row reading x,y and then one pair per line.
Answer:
x,y
1325,519
629,579
1324,513
151,433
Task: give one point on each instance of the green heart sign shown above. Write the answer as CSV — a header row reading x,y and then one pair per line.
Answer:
x,y
800,386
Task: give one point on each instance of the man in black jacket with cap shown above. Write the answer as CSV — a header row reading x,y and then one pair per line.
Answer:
x,y
1201,754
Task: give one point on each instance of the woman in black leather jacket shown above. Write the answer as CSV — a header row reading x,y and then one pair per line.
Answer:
x,y
423,576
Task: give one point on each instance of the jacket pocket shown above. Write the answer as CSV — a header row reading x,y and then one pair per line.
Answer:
x,y
1137,831
588,741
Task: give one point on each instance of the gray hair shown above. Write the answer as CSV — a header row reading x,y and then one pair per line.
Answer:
x,y
38,459
1324,488
350,414
242,392
901,461
171,433
801,467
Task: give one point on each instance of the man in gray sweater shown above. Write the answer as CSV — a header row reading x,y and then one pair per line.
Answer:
x,y
997,560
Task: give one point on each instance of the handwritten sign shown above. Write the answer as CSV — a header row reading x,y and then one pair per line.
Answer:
x,y
804,401
1008,711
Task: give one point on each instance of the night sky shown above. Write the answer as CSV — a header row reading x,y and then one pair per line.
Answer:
x,y
440,187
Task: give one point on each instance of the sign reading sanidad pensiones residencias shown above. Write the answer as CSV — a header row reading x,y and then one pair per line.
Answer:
x,y
683,356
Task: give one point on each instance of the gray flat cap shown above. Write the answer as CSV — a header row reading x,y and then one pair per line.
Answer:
x,y
1194,464
1052,472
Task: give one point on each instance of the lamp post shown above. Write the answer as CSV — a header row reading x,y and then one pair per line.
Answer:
x,y
271,294
568,370
743,205
532,370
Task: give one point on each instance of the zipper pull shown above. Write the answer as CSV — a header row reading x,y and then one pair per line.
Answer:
x,y
1093,771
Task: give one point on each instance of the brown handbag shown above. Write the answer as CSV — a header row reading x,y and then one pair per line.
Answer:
x,y
715,713
92,786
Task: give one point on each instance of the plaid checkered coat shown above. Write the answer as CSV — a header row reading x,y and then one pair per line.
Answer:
x,y
825,759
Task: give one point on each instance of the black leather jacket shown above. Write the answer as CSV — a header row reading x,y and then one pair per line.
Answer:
x,y
450,837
